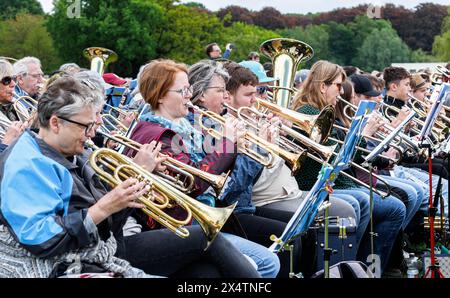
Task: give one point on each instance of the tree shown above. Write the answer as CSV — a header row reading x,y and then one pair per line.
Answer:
x,y
234,13
341,43
10,8
441,44
380,49
26,35
129,27
247,38
269,18
362,26
316,36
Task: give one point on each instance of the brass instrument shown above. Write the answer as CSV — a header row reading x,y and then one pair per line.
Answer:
x,y
317,127
160,196
5,123
293,160
114,124
100,58
324,151
25,107
216,181
286,54
422,111
441,75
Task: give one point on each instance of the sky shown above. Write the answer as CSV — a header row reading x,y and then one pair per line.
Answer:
x,y
289,6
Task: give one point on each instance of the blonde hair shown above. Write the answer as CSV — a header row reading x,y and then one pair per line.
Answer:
x,y
321,72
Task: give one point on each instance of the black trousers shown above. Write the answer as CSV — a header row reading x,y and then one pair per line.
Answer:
x,y
161,252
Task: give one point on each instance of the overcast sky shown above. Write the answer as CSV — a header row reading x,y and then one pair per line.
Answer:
x,y
289,6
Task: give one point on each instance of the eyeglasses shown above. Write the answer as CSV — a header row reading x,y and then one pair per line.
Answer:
x,y
7,80
36,75
220,89
262,90
339,85
183,91
88,127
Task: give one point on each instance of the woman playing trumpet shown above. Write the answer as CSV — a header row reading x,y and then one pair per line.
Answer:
x,y
322,87
164,85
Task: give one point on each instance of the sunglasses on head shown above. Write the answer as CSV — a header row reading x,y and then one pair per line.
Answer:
x,y
7,80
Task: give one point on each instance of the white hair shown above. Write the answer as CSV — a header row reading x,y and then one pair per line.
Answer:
x,y
5,68
21,66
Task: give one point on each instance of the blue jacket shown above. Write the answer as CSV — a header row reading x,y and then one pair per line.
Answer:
x,y
44,198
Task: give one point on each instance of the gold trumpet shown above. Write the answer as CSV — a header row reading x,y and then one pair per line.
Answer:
x,y
293,160
114,168
25,107
317,127
324,151
422,111
114,123
216,181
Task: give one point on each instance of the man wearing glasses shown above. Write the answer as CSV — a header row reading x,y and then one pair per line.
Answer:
x,y
29,77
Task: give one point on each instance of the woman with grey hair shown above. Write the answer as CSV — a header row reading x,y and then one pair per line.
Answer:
x,y
208,79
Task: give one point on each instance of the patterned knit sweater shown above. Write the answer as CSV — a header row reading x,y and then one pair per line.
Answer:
x,y
307,175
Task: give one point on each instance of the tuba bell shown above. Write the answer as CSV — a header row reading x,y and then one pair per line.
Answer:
x,y
100,58
286,54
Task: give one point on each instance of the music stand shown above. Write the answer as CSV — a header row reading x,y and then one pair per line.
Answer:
x,y
434,267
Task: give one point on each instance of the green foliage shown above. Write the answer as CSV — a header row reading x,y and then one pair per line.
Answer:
x,y
129,27
441,45
380,49
421,56
316,36
10,8
26,35
247,38
342,45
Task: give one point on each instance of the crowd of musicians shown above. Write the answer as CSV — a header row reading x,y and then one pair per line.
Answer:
x,y
66,208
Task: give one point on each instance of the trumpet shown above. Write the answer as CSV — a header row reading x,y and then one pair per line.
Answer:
x,y
293,160
421,110
402,138
111,123
186,186
324,151
317,127
25,107
114,168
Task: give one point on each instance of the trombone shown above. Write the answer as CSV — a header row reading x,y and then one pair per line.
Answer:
x,y
216,181
293,160
114,168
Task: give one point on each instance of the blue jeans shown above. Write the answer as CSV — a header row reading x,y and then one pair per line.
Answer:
x,y
268,264
422,178
415,195
362,210
388,216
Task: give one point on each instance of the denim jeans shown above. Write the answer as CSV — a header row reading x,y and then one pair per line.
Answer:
x,y
415,195
422,178
360,203
388,217
267,262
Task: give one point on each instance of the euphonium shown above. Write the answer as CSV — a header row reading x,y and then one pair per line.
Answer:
x,y
293,160
121,168
216,181
25,107
286,54
100,58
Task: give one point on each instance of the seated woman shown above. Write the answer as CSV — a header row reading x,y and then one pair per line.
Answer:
x,y
75,225
10,130
267,198
164,85
321,88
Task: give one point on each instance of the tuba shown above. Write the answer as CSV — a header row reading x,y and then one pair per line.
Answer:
x,y
286,54
100,58
114,168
